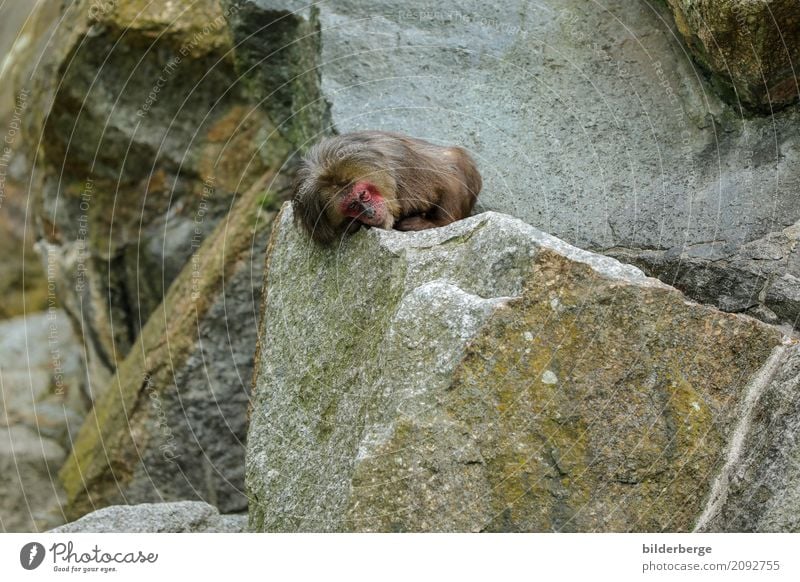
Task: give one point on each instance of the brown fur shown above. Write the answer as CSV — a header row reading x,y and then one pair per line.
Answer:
x,y
424,185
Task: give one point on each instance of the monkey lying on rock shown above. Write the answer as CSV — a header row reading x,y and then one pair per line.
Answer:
x,y
383,180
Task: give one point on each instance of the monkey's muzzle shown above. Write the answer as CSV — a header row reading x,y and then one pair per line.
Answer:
x,y
368,211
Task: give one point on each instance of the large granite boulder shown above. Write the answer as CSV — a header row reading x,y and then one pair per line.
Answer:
x,y
758,488
25,28
589,120
751,48
42,375
170,517
30,494
42,406
148,138
489,377
173,423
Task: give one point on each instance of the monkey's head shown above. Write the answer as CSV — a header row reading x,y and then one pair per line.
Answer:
x,y
342,185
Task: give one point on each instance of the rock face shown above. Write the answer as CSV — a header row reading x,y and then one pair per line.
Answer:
x,y
278,53
488,377
175,517
147,141
25,28
759,278
43,375
22,283
588,121
759,486
41,408
462,379
173,424
752,48
30,495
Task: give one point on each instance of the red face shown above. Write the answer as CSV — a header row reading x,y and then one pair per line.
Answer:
x,y
365,204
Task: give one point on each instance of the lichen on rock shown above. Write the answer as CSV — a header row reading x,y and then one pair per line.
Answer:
x,y
752,48
173,423
486,376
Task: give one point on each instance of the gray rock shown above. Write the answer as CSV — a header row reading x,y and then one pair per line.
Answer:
x,y
41,409
758,278
589,121
174,517
174,426
43,375
30,494
759,486
277,54
486,376
147,141
749,47
783,297
25,32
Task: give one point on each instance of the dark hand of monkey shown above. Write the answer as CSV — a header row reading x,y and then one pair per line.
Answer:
x,y
383,180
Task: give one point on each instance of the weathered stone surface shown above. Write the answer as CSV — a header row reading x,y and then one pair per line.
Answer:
x,y
25,28
30,495
759,486
42,375
173,424
784,299
752,48
759,278
590,121
174,517
22,283
486,377
41,408
148,139
278,53
27,35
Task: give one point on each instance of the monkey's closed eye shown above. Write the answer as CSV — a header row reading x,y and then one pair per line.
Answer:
x,y
337,194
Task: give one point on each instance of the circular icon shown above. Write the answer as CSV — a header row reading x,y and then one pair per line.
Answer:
x,y
31,555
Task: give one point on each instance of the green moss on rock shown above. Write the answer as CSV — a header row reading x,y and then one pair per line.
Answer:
x,y
751,48
486,377
158,431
